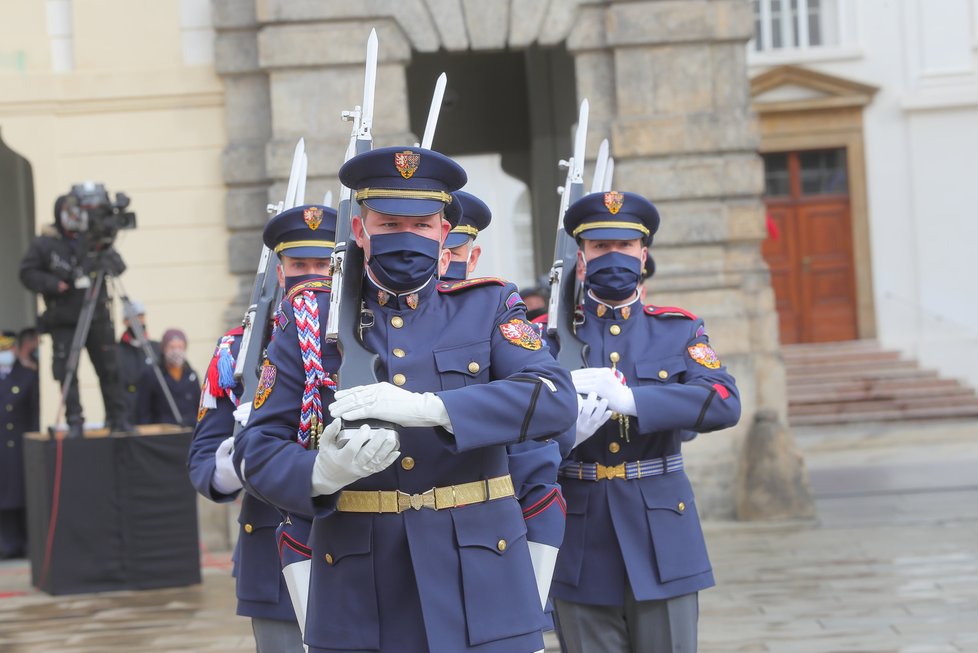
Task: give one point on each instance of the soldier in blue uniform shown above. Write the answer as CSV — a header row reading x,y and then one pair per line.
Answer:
x,y
21,413
418,543
533,465
303,239
633,557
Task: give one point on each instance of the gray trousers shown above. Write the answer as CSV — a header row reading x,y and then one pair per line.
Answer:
x,y
664,626
273,636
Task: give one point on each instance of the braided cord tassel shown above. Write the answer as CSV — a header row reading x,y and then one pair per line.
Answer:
x,y
306,311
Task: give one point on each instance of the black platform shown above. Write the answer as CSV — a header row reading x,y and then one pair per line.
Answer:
x,y
126,512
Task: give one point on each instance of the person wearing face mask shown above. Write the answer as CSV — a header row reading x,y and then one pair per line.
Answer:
x,y
418,543
461,239
20,410
633,558
180,378
132,360
302,237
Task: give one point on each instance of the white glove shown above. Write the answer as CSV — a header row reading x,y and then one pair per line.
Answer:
x,y
359,453
592,412
242,413
386,402
225,480
606,384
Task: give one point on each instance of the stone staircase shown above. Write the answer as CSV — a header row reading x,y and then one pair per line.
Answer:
x,y
857,381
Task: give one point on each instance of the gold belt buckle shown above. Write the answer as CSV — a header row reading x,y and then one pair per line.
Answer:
x,y
416,501
608,473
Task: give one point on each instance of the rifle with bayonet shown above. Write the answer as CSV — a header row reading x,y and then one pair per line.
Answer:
x,y
266,292
563,280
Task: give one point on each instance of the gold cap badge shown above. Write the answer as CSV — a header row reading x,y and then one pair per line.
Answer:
x,y
313,217
613,201
407,162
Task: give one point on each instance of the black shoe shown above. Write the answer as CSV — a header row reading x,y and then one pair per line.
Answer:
x,y
76,430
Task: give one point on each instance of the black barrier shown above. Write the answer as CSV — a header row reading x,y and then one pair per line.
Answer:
x,y
111,512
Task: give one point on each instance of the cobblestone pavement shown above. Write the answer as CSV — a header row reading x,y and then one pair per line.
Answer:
x,y
890,565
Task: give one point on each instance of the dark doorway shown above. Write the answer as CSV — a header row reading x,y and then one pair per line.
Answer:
x,y
521,104
809,249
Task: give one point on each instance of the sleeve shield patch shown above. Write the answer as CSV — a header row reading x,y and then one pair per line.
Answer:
x,y
703,354
266,381
522,334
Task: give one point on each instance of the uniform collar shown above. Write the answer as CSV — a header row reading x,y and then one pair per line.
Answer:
x,y
410,300
604,311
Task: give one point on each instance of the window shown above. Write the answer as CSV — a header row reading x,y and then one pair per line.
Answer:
x,y
795,24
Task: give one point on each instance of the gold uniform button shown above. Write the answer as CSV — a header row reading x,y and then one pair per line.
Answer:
x,y
400,353
10,427
407,463
15,389
132,388
399,379
615,329
614,357
328,558
614,447
9,407
474,367
10,444
663,374
501,545
248,528
682,507
397,321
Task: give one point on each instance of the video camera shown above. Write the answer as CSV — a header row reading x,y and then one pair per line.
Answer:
x,y
88,209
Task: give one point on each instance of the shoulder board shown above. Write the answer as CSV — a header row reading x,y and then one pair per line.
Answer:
x,y
455,286
323,284
669,311
236,331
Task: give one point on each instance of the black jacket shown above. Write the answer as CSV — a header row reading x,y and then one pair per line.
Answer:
x,y
51,258
152,406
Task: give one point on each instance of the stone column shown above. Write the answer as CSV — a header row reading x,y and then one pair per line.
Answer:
x,y
667,83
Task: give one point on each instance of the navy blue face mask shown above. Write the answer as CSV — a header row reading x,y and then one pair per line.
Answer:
x,y
292,282
403,260
457,271
613,276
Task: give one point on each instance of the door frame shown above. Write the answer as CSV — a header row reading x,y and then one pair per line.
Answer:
x,y
829,116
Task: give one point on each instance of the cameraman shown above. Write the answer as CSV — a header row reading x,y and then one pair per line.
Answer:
x,y
61,265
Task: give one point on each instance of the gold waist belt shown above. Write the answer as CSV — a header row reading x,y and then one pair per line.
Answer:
x,y
437,498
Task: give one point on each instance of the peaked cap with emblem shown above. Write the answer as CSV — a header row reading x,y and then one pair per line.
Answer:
x,y
405,181
612,216
476,216
306,231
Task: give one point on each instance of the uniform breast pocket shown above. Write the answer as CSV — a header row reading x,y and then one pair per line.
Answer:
x,y
680,549
663,370
463,365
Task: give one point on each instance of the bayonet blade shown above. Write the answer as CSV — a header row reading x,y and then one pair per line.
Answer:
x,y
599,166
300,188
300,151
609,174
369,80
580,141
433,111
328,199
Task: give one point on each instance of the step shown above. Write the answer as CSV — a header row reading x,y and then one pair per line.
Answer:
x,y
885,416
833,356
789,351
941,387
856,407
865,376
848,368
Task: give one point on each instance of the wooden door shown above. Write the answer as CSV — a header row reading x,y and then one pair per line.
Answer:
x,y
809,247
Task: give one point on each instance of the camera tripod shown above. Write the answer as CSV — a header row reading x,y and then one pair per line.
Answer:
x,y
103,278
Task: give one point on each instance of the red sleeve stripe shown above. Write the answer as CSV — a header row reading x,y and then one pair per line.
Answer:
x,y
552,497
721,390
